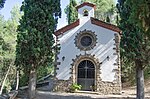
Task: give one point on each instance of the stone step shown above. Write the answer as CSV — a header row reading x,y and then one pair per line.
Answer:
x,y
87,92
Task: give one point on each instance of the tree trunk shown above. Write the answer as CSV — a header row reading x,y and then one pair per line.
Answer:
x,y
32,84
139,80
4,80
17,82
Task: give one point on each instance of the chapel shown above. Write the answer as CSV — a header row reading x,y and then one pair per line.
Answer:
x,y
89,54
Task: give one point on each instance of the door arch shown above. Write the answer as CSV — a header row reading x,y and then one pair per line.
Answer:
x,y
86,75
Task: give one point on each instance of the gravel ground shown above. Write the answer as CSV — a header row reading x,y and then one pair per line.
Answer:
x,y
132,90
127,93
58,95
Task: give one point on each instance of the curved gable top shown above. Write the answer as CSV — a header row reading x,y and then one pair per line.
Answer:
x,y
86,4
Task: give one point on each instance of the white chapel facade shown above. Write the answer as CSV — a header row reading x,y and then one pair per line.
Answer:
x,y
89,54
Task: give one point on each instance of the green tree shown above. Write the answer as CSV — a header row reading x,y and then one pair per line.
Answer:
x,y
140,14
2,3
8,36
71,12
34,39
2,43
104,9
135,42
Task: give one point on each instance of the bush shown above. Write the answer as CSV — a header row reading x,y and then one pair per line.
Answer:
x,y
75,87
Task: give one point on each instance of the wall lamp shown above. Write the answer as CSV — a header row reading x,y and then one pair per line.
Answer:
x,y
108,58
63,58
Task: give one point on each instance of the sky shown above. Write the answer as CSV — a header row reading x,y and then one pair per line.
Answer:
x,y
10,3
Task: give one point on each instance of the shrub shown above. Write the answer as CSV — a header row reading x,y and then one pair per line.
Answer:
x,y
75,87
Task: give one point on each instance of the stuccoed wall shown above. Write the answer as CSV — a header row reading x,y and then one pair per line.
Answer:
x,y
104,47
81,10
108,75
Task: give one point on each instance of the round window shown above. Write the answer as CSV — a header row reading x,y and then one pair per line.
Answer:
x,y
85,40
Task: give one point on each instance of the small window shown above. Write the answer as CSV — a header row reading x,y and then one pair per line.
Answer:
x,y
85,13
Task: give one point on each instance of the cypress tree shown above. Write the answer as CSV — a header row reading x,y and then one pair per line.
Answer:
x,y
35,37
135,43
104,9
2,3
71,12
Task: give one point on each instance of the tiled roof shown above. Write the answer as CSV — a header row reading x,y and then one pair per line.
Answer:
x,y
105,25
93,21
86,4
66,28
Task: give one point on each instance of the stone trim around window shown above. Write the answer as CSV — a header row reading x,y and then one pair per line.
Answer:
x,y
82,34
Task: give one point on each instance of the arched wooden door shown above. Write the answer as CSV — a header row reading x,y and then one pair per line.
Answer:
x,y
86,75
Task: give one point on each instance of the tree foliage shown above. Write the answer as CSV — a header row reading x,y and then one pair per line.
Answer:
x,y
2,2
140,14
104,9
71,12
35,37
7,46
35,40
135,43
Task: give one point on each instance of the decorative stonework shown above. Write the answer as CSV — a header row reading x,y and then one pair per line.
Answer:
x,y
100,86
118,70
85,40
56,57
80,58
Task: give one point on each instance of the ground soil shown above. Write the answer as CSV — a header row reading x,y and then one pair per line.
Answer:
x,y
131,90
128,92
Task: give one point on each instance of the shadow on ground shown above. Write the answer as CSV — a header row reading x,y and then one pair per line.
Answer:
x,y
58,95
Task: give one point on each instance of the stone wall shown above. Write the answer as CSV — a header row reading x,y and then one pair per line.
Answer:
x,y
62,85
103,88
108,88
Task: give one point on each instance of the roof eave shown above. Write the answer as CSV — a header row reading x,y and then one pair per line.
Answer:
x,y
86,4
105,25
66,28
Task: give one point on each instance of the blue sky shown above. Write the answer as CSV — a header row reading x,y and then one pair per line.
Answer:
x,y
10,3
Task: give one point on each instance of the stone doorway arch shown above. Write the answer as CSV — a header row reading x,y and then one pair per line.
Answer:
x,y
95,66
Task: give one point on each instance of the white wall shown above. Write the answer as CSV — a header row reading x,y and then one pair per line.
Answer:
x,y
103,48
90,9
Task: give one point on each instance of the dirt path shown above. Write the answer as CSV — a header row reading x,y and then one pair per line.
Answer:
x,y
58,95
132,90
127,93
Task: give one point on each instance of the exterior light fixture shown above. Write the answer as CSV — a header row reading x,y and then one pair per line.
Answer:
x,y
63,58
108,58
